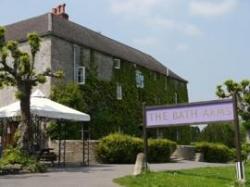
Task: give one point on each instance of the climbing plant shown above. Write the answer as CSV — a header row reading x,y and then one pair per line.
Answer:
x,y
108,114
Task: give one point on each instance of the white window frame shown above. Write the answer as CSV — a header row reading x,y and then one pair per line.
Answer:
x,y
81,80
139,78
118,91
117,63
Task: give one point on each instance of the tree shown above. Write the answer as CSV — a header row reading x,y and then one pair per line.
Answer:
x,y
17,69
218,133
70,95
242,90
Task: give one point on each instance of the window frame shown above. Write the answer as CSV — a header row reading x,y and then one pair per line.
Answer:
x,y
139,79
83,75
119,91
117,63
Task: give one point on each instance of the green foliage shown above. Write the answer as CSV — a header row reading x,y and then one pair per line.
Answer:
x,y
20,73
242,90
34,42
14,156
69,95
245,150
72,96
120,148
218,133
160,150
109,115
67,130
215,152
198,177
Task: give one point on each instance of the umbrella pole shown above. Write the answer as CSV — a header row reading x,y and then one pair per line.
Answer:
x,y
64,144
83,151
59,146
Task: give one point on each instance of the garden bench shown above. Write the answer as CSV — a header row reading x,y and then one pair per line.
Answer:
x,y
46,155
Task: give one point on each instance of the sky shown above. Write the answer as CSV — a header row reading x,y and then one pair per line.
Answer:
x,y
204,41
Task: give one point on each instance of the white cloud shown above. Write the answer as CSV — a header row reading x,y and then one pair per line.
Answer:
x,y
182,47
145,42
140,7
211,7
170,24
191,30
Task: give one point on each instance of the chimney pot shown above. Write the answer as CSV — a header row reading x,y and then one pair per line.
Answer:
x,y
54,10
60,11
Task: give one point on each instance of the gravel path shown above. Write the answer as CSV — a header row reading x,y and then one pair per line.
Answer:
x,y
93,176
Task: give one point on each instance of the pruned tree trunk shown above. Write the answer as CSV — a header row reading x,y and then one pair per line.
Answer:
x,y
25,127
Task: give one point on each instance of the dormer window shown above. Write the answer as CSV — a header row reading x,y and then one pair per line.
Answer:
x,y
117,63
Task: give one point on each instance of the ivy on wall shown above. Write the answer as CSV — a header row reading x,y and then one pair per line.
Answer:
x,y
110,115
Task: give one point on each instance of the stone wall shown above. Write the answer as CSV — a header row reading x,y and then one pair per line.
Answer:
x,y
184,152
73,151
66,55
62,59
104,65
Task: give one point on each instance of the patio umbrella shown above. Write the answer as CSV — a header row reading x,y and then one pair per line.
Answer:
x,y
44,107
41,106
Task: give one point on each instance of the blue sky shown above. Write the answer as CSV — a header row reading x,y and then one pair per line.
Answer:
x,y
204,41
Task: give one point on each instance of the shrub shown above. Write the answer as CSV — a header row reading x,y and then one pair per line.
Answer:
x,y
119,148
245,150
214,152
160,150
14,156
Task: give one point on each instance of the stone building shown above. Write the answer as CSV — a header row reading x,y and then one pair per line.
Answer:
x,y
74,49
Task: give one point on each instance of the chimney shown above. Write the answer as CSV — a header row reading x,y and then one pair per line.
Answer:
x,y
60,11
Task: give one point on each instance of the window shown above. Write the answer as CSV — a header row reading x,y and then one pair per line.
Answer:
x,y
117,63
81,75
139,79
118,92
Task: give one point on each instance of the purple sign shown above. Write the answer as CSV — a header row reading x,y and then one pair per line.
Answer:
x,y
193,113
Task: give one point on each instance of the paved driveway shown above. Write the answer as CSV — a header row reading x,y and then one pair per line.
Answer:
x,y
93,176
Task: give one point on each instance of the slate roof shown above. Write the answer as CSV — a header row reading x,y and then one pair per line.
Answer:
x,y
49,24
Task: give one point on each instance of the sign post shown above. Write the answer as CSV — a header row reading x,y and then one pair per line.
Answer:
x,y
239,166
195,113
145,138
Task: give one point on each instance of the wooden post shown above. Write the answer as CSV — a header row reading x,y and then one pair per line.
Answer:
x,y
145,138
239,165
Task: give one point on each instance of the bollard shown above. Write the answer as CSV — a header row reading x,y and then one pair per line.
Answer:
x,y
139,164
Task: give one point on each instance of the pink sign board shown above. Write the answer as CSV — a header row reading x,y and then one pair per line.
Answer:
x,y
187,114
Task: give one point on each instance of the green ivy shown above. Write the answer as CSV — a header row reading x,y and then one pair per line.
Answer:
x,y
111,115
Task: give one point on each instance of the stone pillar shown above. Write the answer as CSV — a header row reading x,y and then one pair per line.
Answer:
x,y
139,164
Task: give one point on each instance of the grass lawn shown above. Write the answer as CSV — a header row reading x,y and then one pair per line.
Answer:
x,y
200,177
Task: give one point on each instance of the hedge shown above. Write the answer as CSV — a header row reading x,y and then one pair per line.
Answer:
x,y
120,148
214,152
